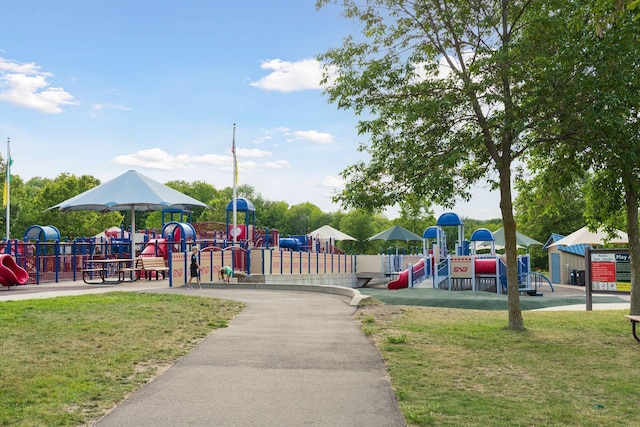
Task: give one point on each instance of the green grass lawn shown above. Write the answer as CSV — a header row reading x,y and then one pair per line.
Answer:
x,y
460,367
66,361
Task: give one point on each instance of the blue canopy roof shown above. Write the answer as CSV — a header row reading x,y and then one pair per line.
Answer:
x,y
449,218
242,205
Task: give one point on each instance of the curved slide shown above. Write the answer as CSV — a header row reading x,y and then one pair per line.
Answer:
x,y
403,279
155,247
482,266
11,273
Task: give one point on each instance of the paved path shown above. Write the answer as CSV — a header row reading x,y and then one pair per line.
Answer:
x,y
289,359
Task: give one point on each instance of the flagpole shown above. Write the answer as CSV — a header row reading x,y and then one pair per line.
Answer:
x,y
7,190
235,184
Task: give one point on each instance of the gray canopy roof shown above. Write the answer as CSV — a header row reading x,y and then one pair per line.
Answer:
x,y
129,191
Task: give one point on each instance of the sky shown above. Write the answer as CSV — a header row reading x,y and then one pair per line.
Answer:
x,y
99,88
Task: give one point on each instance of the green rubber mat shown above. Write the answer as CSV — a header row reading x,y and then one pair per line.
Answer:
x,y
475,300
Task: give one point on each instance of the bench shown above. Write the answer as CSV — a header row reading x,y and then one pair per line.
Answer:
x,y
154,264
634,320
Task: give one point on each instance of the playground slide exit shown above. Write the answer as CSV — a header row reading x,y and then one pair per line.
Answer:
x,y
11,274
403,278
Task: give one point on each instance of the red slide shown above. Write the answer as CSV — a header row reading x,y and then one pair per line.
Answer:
x,y
11,273
156,247
403,279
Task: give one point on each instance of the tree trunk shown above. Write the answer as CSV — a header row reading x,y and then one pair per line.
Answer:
x,y
516,322
631,197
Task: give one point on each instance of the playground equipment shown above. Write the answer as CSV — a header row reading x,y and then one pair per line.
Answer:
x,y
11,274
47,257
180,232
465,270
416,272
155,248
41,233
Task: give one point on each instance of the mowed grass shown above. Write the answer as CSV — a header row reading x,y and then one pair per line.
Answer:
x,y
457,367
66,361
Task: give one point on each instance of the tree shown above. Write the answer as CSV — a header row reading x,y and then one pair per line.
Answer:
x,y
595,106
361,225
414,215
303,218
199,190
439,88
543,207
76,223
274,215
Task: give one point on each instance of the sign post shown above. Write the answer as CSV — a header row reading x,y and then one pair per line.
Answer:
x,y
608,272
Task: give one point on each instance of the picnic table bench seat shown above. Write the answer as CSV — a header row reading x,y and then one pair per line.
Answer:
x,y
92,275
154,265
634,319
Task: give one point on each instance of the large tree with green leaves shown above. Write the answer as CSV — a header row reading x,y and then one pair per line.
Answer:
x,y
598,95
543,207
439,88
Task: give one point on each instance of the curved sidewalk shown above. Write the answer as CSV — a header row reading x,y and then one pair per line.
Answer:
x,y
289,359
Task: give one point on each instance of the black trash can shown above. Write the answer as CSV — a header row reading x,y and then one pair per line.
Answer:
x,y
580,277
573,279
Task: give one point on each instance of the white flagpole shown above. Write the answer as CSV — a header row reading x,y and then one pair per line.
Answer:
x,y
8,191
235,184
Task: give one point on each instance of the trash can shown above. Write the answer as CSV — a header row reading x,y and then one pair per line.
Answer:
x,y
580,277
573,279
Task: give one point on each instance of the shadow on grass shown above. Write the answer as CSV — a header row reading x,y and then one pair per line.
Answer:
x,y
473,300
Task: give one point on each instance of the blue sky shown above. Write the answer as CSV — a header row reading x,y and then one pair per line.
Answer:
x,y
91,87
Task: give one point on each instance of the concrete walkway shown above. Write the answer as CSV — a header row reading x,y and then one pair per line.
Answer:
x,y
569,290
289,359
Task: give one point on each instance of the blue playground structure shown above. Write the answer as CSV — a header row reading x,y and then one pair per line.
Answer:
x,y
465,269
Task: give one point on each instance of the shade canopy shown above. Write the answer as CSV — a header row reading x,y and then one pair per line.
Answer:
x,y
327,232
130,191
522,241
396,233
586,237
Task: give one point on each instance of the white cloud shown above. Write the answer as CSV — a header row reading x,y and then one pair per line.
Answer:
x,y
158,159
28,86
290,76
299,135
253,152
153,158
314,136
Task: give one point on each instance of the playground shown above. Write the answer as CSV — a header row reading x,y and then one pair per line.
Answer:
x,y
117,255
464,268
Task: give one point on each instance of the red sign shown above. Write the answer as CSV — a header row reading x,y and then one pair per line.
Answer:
x,y
603,271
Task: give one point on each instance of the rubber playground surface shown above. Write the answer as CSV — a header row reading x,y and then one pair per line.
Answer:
x,y
429,297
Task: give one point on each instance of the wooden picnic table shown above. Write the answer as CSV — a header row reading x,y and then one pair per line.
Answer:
x,y
634,320
111,271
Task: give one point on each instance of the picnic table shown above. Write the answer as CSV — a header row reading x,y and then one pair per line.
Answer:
x,y
111,271
634,320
